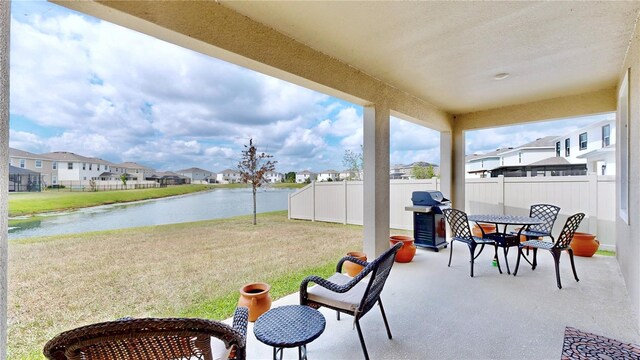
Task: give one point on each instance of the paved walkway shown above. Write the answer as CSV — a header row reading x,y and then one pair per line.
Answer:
x,y
436,312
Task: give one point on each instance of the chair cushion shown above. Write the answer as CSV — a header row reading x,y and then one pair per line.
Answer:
x,y
349,300
538,244
218,351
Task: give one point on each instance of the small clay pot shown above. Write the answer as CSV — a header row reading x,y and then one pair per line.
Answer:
x,y
486,227
354,269
256,297
408,249
584,244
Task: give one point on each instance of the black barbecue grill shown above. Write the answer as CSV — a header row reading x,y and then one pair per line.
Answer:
x,y
428,222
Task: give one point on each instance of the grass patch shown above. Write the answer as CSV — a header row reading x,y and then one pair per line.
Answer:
x,y
48,201
606,253
192,269
222,307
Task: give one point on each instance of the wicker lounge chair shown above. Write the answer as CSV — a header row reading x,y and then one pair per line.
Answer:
x,y
352,296
153,338
562,244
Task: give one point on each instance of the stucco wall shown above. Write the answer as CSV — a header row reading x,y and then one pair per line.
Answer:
x,y
628,238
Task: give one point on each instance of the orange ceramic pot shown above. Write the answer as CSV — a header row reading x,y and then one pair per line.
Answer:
x,y
584,244
486,227
354,269
256,297
408,249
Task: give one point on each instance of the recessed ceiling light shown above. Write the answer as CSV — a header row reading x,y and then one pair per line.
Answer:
x,y
501,76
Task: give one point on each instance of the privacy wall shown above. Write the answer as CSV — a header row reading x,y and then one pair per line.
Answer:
x,y
341,202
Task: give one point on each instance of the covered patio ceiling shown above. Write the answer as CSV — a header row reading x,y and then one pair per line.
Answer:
x,y
448,53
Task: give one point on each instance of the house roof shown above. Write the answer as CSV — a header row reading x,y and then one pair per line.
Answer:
x,y
305,172
544,142
554,160
229,171
329,172
69,156
25,154
132,165
193,169
17,170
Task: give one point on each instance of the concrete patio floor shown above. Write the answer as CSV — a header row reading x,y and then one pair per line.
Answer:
x,y
437,312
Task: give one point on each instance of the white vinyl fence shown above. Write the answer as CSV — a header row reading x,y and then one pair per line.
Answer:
x,y
342,202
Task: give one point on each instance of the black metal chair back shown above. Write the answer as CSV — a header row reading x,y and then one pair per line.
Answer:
x,y
569,229
459,223
545,212
381,269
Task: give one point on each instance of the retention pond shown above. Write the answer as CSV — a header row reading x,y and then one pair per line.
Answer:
x,y
216,204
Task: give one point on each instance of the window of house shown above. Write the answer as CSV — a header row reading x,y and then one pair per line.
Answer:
x,y
98,167
23,163
520,157
558,149
90,166
70,165
54,180
84,166
623,146
583,141
567,146
39,164
54,165
606,135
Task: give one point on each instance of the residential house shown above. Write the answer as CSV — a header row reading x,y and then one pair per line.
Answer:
x,y
594,145
273,177
137,171
481,165
196,174
328,175
351,175
42,164
405,172
169,178
74,169
229,176
305,176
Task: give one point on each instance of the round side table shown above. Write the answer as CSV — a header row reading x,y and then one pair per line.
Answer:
x,y
289,326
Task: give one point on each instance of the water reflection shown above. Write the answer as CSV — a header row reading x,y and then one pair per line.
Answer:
x,y
220,203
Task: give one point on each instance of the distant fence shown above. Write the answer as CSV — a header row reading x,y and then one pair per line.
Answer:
x,y
103,185
342,202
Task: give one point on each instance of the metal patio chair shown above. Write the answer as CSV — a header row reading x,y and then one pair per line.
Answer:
x,y
462,232
548,214
153,338
563,243
352,296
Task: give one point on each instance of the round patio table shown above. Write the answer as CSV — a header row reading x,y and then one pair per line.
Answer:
x,y
503,239
289,326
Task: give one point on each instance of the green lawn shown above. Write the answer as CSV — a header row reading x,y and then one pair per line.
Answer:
x,y
191,269
35,203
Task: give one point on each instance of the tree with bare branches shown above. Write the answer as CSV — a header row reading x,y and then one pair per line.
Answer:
x,y
253,166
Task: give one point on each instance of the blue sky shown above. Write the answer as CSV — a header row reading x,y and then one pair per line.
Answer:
x,y
84,85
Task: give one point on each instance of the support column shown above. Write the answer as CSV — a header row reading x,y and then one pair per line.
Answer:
x,y
376,179
446,164
458,173
5,26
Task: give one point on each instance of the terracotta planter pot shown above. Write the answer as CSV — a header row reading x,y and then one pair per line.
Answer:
x,y
486,227
408,249
256,297
354,269
584,244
